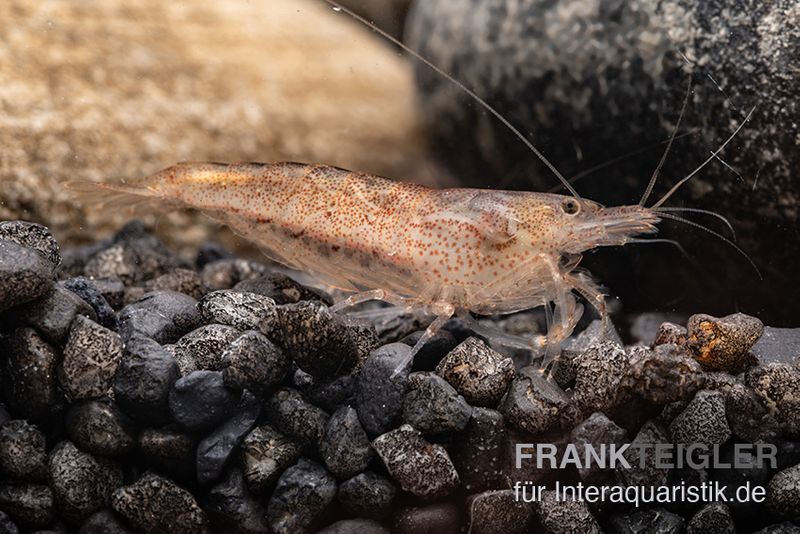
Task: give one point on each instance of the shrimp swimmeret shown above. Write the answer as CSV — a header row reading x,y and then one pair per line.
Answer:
x,y
483,251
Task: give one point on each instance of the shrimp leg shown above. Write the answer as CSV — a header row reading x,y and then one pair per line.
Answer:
x,y
584,285
375,294
444,311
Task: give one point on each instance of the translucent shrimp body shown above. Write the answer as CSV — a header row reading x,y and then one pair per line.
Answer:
x,y
453,249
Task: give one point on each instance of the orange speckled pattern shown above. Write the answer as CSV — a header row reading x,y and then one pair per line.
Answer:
x,y
483,250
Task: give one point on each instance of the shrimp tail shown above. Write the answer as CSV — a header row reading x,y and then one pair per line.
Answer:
x,y
119,195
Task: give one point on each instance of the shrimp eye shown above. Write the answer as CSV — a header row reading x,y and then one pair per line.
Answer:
x,y
570,206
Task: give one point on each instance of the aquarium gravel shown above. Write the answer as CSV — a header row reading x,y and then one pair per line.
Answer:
x,y
144,392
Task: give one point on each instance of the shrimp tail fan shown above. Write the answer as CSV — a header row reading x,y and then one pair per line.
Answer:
x,y
119,195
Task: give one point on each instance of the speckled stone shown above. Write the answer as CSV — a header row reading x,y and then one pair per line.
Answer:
x,y
227,272
649,520
100,427
89,291
292,414
91,357
598,371
183,281
200,401
498,511
144,379
253,362
230,505
30,505
558,516
24,274
433,406
597,430
441,518
535,405
647,473
345,447
204,346
723,344
169,451
346,526
155,504
777,385
381,387
301,496
282,289
52,315
783,493
34,236
479,450
367,494
713,518
477,372
422,469
163,316
660,376
245,311
29,375
266,453
22,451
703,420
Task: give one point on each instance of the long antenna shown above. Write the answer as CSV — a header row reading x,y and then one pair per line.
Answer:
x,y
337,7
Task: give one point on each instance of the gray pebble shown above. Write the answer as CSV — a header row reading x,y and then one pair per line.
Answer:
x,y
497,511
230,505
645,473
535,405
660,376
703,420
253,362
34,236
199,401
22,451
328,393
292,414
154,504
748,416
778,345
318,341
421,468
670,334
205,345
347,526
597,431
713,518
300,498
381,387
649,520
266,453
598,371
216,450
52,315
245,311
181,280
24,275
91,294
477,372
566,516
723,344
367,494
144,379
783,494
227,272
100,427
282,289
91,357
777,385
478,451
345,447
169,451
29,377
163,316
433,406
30,505
439,518
82,483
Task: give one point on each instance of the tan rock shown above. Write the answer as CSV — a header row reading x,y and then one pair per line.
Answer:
x,y
110,90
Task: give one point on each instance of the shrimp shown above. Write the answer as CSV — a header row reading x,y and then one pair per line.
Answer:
x,y
446,251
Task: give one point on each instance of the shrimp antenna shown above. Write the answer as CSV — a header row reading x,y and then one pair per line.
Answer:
x,y
337,7
654,177
704,212
716,234
711,157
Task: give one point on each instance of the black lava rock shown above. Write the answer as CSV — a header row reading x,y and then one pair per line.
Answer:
x,y
498,511
535,405
245,311
163,316
647,472
227,272
204,346
91,357
422,469
230,505
381,387
776,384
479,451
99,427
253,362
34,236
112,290
703,420
649,520
300,498
367,494
215,450
346,526
200,400
210,252
155,504
783,493
660,376
598,371
433,351
82,483
181,280
52,315
266,453
169,451
22,451
91,294
318,341
567,515
345,447
104,522
144,379
713,518
24,274
432,406
441,518
30,505
596,431
723,344
294,415
477,372
282,289
29,378
328,393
